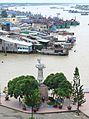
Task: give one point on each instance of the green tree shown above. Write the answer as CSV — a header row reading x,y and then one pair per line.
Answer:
x,y
54,80
33,100
64,89
4,14
21,85
12,85
27,88
78,92
49,81
59,84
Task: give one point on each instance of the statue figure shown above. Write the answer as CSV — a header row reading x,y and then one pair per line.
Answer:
x,y
40,70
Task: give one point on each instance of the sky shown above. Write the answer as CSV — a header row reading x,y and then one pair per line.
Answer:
x,y
44,1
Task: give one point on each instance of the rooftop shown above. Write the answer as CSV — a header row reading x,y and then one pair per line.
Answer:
x,y
5,38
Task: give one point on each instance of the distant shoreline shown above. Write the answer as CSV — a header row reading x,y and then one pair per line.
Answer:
x,y
42,3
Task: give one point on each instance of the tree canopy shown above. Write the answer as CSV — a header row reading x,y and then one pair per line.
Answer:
x,y
65,89
54,80
27,88
78,91
59,84
22,86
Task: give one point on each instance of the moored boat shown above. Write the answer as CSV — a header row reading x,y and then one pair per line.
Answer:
x,y
54,52
65,33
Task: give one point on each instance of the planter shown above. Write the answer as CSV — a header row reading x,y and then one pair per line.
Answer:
x,y
69,107
35,109
60,106
24,108
55,106
6,98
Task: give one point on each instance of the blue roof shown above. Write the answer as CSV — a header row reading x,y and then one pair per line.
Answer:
x,y
7,22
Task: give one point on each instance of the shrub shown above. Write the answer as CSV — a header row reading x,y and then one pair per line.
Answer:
x,y
51,103
51,99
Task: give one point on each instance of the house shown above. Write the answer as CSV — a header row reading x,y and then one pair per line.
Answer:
x,y
14,45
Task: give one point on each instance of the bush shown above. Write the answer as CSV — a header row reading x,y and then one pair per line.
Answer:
x,y
51,99
51,103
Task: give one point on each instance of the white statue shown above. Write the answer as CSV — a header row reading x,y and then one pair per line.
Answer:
x,y
40,70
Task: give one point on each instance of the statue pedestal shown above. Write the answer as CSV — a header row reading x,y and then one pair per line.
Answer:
x,y
43,92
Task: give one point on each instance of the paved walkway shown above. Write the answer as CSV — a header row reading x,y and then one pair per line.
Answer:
x,y
14,104
85,107
6,113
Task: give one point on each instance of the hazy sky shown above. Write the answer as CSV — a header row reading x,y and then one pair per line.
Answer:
x,y
45,1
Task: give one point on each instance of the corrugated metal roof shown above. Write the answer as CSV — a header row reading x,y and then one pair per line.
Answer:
x,y
5,38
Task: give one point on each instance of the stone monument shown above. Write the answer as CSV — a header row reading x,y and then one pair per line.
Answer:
x,y
40,71
43,88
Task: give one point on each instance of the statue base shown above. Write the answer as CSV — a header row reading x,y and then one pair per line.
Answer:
x,y
43,92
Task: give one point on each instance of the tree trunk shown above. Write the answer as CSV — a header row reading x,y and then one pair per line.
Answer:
x,y
78,108
32,111
53,94
77,101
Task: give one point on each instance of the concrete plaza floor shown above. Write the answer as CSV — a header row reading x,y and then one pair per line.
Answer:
x,y
15,104
6,113
13,110
85,107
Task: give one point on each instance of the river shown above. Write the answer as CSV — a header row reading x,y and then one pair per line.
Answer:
x,y
24,64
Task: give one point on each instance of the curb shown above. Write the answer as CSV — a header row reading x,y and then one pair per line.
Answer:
x,y
37,112
84,114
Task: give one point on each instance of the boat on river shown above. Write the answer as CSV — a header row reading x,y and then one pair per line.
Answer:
x,y
54,52
56,49
64,32
84,13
